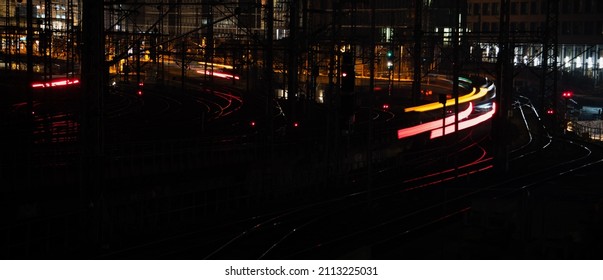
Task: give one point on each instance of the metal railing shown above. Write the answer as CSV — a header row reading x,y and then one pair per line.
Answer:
x,y
592,130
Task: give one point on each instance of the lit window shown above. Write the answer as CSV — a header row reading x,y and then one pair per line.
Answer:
x,y
590,62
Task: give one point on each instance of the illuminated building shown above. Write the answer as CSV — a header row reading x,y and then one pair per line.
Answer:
x,y
580,33
55,24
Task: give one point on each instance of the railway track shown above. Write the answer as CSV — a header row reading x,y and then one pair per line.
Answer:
x,y
396,213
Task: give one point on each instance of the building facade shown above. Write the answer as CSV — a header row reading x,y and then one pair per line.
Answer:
x,y
580,33
56,24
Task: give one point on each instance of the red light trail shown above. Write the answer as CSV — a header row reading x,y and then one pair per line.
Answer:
x,y
436,126
56,83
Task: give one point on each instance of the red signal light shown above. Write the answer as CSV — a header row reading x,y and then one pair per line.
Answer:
x,y
385,106
567,94
252,123
550,111
295,124
139,92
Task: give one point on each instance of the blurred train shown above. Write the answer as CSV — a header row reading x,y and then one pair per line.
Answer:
x,y
56,89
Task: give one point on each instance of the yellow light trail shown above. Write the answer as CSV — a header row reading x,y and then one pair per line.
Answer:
x,y
210,64
449,102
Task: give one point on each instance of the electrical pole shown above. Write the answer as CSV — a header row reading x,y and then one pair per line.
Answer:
x,y
94,75
504,90
268,68
369,150
456,65
7,36
209,40
418,37
46,37
548,82
293,57
30,72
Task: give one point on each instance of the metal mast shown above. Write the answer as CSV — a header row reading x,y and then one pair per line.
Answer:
x,y
293,56
418,37
504,89
548,86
